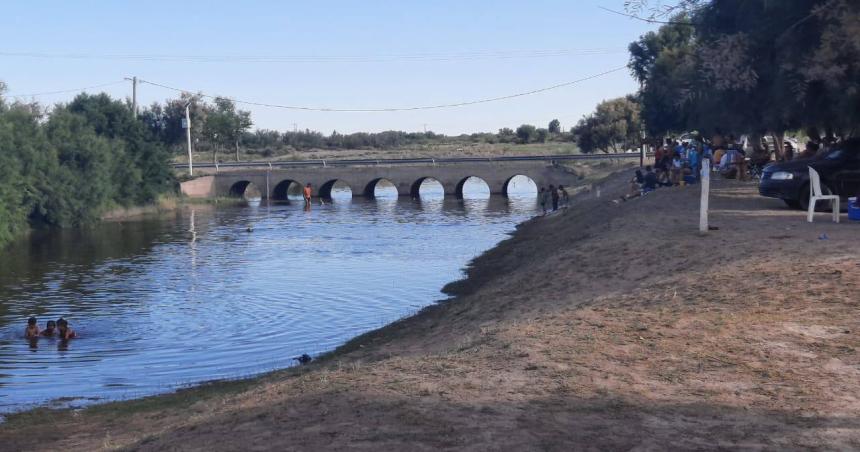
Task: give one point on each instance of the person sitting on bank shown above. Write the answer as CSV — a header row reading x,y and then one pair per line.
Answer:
x,y
50,329
662,177
32,329
65,332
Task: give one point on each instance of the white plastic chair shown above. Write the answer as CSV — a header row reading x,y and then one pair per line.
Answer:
x,y
815,196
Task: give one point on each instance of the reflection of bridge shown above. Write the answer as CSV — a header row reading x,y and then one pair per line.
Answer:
x,y
275,181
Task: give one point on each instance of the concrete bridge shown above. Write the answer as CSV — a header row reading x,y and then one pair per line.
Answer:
x,y
276,182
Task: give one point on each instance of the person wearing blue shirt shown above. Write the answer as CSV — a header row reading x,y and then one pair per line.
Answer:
x,y
680,149
694,160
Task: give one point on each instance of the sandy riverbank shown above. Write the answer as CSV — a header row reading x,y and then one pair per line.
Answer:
x,y
607,326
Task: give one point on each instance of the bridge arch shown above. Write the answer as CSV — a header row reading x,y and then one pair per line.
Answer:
x,y
415,191
520,185
337,186
390,188
243,189
286,188
473,186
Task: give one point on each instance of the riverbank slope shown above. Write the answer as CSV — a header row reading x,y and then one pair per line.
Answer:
x,y
609,326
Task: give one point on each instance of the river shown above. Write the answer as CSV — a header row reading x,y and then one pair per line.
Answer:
x,y
211,293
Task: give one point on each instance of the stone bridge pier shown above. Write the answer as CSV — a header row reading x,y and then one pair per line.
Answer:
x,y
275,183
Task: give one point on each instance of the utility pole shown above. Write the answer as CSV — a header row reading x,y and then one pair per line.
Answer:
x,y
188,136
295,128
425,127
133,95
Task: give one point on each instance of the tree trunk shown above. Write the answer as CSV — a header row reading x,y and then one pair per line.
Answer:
x,y
237,149
779,143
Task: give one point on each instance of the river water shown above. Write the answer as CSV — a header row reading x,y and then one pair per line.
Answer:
x,y
197,295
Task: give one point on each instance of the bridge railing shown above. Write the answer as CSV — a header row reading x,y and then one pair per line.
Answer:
x,y
411,161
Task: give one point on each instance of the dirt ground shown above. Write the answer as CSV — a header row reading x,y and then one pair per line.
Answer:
x,y
603,327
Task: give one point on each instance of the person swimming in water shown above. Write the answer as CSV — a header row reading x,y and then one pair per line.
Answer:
x,y
32,329
63,330
50,329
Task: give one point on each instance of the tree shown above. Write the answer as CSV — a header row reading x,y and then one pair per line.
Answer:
x,y
719,63
554,127
541,135
526,132
66,168
615,125
225,124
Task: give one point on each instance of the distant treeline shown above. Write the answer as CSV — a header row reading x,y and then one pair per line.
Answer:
x,y
67,167
220,127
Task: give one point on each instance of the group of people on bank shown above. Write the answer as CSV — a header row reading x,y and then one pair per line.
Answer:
x,y
554,198
59,329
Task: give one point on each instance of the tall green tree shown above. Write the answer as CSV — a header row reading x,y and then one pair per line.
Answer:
x,y
227,123
751,66
66,168
614,126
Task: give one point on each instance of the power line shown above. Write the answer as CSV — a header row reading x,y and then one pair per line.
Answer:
x,y
66,90
459,56
645,19
393,109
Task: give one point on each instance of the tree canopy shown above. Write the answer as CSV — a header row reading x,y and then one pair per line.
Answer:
x,y
614,126
66,168
751,66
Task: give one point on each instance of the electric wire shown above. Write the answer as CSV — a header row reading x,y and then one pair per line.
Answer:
x,y
391,109
65,91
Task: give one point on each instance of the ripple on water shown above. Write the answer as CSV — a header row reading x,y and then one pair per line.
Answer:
x,y
161,304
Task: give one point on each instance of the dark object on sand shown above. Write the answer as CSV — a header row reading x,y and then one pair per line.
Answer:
x,y
304,359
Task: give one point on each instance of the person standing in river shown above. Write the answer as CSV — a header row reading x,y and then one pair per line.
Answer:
x,y
553,192
307,192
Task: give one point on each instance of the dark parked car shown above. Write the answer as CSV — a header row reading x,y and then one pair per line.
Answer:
x,y
839,170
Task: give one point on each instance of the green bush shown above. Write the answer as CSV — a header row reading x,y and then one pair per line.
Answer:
x,y
66,169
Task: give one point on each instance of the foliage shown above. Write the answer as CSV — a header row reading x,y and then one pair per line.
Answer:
x,y
67,168
750,66
554,127
615,125
526,132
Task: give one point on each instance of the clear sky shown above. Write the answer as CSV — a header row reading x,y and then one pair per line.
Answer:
x,y
366,30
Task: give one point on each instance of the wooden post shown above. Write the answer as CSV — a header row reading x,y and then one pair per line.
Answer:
x,y
706,188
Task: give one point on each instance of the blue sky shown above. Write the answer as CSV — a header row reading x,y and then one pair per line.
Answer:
x,y
332,28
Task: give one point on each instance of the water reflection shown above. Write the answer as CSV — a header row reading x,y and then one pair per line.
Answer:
x,y
521,186
235,291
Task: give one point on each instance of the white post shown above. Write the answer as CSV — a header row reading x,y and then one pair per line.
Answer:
x,y
706,188
188,137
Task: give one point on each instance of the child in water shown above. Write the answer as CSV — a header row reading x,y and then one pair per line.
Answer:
x,y
32,328
50,327
64,332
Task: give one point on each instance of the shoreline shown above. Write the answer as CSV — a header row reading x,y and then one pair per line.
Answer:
x,y
627,331
167,205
